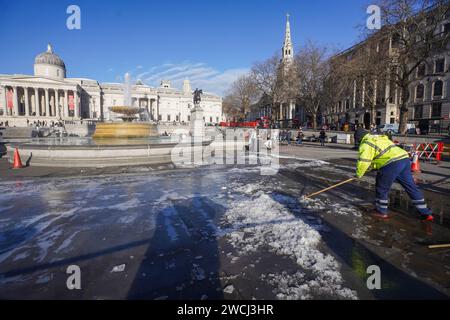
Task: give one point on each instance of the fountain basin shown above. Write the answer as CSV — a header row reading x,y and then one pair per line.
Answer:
x,y
125,130
98,153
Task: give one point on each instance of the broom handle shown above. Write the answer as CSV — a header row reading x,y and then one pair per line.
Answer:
x,y
329,188
439,246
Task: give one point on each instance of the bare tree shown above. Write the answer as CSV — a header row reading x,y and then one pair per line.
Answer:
x,y
267,78
413,32
312,69
230,107
240,97
245,94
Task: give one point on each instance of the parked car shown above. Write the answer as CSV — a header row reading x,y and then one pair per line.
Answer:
x,y
394,127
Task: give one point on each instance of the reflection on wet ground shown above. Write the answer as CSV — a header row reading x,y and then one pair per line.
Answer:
x,y
214,233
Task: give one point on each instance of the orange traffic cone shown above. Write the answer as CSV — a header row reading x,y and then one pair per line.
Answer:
x,y
17,161
415,166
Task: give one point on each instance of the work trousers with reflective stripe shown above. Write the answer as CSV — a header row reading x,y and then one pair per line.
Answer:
x,y
399,171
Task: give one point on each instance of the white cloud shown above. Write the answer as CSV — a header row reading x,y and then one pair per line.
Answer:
x,y
200,75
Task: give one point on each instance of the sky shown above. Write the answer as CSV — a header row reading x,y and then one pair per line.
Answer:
x,y
209,42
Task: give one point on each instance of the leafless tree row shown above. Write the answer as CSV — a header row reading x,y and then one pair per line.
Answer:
x,y
412,33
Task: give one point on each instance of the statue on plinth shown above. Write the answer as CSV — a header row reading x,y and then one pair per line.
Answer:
x,y
197,97
197,121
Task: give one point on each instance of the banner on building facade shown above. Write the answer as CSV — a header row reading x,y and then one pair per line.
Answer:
x,y
9,99
71,102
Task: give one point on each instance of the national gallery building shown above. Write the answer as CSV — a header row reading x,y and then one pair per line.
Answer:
x,y
49,96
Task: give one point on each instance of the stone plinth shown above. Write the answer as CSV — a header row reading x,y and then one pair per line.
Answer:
x,y
197,123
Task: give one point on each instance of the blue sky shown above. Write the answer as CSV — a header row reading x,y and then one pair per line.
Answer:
x,y
210,42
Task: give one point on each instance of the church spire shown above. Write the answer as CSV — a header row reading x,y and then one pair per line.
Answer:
x,y
288,50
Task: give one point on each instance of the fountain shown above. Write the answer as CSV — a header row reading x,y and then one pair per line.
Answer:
x,y
128,128
120,143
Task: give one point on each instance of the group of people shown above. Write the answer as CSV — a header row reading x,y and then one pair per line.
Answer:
x,y
286,136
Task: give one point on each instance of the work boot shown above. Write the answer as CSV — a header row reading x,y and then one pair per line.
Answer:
x,y
378,215
427,217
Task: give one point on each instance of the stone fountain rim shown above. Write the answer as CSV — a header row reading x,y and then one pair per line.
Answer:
x,y
23,146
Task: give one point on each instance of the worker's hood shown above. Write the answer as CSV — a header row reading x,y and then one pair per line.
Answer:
x,y
362,133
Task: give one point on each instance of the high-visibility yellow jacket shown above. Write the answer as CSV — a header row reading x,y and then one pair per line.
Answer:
x,y
377,151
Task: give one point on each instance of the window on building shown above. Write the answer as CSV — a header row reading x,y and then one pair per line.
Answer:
x,y
168,117
436,110
392,120
438,88
189,118
210,119
418,112
57,72
177,118
347,104
420,90
447,28
217,119
378,114
159,117
421,70
439,65
392,113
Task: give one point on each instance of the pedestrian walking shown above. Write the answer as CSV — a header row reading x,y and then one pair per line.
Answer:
x,y
289,136
300,136
322,137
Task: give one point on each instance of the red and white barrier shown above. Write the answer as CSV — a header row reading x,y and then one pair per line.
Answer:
x,y
428,151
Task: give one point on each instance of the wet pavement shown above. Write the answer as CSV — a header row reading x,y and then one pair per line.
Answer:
x,y
216,233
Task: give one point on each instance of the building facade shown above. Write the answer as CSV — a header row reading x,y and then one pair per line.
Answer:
x,y
49,95
379,102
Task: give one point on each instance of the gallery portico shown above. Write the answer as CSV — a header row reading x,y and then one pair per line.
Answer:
x,y
38,100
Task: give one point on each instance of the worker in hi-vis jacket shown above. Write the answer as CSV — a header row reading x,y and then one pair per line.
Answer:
x,y
393,164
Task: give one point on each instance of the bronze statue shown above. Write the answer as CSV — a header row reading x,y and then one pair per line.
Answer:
x,y
197,96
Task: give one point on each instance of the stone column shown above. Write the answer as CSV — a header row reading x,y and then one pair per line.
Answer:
x,y
47,104
66,104
55,104
16,103
5,101
157,109
36,97
77,110
152,109
27,105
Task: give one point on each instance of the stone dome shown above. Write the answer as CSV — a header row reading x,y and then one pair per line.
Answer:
x,y
49,57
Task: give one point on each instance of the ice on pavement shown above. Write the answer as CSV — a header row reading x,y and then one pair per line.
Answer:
x,y
119,268
263,222
59,214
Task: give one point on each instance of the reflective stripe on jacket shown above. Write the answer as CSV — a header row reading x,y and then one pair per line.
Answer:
x,y
377,151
